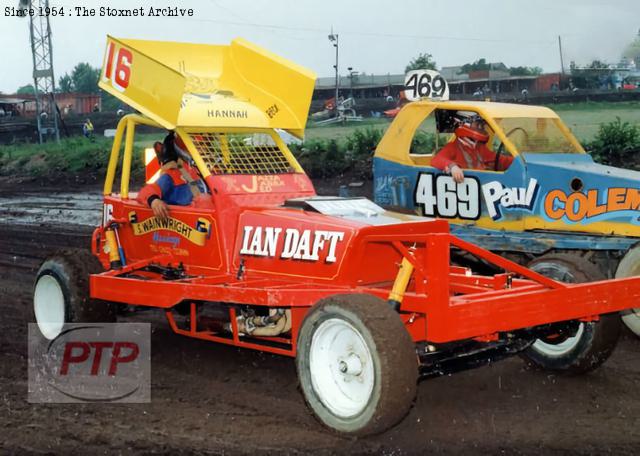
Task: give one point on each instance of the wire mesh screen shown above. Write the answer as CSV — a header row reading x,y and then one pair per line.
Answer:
x,y
226,154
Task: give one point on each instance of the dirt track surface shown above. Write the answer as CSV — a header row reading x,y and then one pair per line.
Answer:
x,y
213,399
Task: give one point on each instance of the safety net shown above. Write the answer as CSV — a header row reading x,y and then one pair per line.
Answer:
x,y
228,154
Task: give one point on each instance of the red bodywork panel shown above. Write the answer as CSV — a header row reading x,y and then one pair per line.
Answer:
x,y
241,245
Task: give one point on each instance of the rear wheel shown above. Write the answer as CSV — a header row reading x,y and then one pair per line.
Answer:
x,y
357,364
593,342
61,293
630,267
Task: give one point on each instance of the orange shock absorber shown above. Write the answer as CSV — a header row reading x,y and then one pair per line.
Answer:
x,y
112,245
400,284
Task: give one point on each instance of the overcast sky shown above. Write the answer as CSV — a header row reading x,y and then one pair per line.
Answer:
x,y
375,36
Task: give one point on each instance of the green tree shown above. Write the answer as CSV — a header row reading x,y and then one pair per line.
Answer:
x,y
478,65
422,62
26,90
85,78
525,71
617,143
109,102
597,64
65,84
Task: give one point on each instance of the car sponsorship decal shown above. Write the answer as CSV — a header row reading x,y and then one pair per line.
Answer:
x,y
261,184
198,235
594,205
161,239
440,196
497,196
309,245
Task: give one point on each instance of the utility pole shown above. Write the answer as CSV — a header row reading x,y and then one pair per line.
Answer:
x,y
351,76
561,60
333,37
43,78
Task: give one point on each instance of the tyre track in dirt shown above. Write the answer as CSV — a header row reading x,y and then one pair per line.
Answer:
x,y
25,246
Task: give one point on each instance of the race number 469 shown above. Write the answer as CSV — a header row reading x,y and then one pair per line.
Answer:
x,y
440,196
420,84
117,66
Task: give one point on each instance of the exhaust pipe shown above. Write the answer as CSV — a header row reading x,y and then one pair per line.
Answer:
x,y
277,322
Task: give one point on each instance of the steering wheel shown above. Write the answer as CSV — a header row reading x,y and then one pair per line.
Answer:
x,y
500,150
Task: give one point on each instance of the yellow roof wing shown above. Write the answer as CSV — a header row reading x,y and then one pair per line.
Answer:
x,y
493,109
200,85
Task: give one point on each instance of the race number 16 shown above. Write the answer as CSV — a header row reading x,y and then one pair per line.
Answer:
x,y
117,67
440,196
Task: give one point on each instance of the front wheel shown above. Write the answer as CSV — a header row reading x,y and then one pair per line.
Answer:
x,y
357,364
592,342
61,293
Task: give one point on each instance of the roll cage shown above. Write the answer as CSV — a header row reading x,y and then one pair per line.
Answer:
x,y
203,161
395,145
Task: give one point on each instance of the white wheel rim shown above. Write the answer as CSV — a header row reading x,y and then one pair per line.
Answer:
x,y
48,305
561,273
559,349
631,318
630,267
341,366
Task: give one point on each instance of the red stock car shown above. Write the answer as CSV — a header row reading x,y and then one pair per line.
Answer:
x,y
366,301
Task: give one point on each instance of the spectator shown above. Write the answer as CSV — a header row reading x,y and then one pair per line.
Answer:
x,y
87,129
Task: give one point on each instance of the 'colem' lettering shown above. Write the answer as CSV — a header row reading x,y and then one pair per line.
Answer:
x,y
579,206
307,245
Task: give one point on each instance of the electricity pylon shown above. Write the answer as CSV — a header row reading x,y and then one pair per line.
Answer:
x,y
43,78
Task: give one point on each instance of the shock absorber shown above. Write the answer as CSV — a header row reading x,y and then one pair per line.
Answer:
x,y
116,252
112,246
123,259
400,284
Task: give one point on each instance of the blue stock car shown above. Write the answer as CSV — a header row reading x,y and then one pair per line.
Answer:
x,y
553,209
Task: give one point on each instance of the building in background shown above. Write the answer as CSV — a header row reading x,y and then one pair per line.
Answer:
x,y
360,86
495,83
17,106
68,103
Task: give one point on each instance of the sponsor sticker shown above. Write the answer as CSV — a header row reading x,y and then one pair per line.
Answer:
x,y
309,245
498,197
440,196
593,205
197,235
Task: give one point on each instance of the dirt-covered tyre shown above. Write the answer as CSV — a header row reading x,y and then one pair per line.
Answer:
x,y
61,293
357,364
593,342
630,267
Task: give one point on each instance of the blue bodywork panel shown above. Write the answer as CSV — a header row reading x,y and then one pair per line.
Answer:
x,y
542,202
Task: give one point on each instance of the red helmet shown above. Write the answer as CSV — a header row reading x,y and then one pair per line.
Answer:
x,y
464,131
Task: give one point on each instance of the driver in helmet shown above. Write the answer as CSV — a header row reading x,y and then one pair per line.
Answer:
x,y
179,183
469,150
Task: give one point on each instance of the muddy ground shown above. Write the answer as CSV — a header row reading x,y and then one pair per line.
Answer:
x,y
213,399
